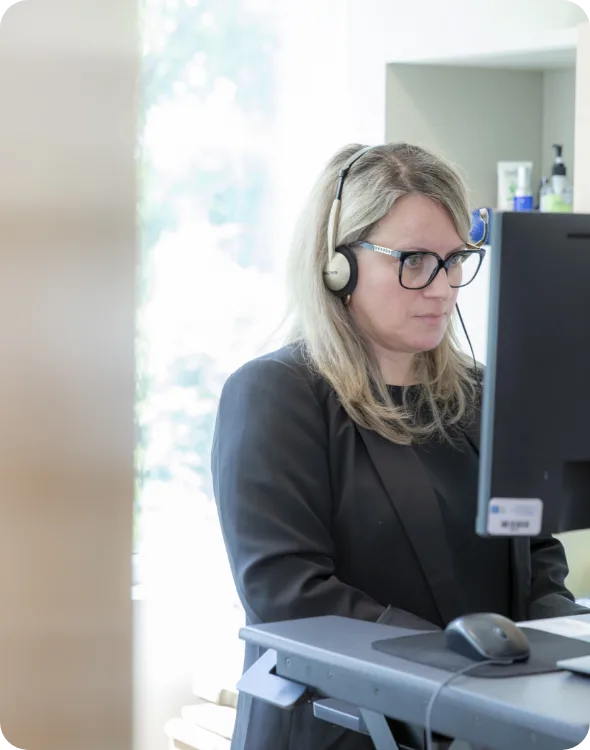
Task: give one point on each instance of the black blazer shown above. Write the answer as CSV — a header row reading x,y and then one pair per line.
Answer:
x,y
321,517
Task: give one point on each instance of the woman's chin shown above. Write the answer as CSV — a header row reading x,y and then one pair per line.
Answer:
x,y
425,343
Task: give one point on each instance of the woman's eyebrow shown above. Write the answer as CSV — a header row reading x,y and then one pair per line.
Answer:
x,y
413,248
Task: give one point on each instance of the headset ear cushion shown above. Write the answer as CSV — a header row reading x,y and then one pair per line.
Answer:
x,y
350,256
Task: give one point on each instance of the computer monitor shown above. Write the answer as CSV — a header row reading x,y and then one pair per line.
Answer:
x,y
535,430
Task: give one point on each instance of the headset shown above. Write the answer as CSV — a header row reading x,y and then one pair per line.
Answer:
x,y
341,269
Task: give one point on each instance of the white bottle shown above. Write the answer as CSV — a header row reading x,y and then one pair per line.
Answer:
x,y
523,196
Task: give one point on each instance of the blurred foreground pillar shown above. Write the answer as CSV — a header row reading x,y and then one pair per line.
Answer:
x,y
68,90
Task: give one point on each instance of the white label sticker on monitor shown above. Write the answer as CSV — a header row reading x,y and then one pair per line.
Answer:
x,y
509,516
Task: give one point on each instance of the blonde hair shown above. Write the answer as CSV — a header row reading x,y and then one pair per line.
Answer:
x,y
323,326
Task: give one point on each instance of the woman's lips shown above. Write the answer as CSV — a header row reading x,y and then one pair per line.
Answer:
x,y
432,318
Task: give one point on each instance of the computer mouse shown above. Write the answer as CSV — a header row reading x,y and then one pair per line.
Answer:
x,y
485,635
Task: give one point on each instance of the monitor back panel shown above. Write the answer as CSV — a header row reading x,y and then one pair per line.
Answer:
x,y
535,437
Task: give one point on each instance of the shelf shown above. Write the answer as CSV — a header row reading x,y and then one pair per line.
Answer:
x,y
541,50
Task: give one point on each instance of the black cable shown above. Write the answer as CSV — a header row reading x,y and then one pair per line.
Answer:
x,y
475,373
440,688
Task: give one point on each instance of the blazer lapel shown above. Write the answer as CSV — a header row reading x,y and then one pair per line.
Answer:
x,y
520,549
472,431
410,492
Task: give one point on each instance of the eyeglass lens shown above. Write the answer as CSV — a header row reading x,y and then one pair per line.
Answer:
x,y
418,269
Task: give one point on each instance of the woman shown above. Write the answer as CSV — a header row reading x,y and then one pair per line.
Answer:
x,y
345,465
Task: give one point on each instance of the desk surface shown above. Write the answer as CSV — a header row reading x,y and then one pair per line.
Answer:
x,y
334,655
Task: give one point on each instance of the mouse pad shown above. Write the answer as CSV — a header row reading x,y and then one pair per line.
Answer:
x,y
430,649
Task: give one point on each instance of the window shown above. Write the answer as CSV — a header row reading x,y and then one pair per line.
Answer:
x,y
210,286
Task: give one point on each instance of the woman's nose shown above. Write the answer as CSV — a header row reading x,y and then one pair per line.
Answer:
x,y
439,286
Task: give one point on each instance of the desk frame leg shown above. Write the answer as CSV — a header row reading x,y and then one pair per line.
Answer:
x,y
379,730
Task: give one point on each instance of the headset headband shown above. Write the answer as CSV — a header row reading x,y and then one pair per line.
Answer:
x,y
335,211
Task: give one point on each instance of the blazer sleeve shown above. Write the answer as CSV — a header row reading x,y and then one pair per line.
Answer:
x,y
271,483
549,569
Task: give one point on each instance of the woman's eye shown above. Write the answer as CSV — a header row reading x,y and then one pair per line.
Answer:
x,y
413,261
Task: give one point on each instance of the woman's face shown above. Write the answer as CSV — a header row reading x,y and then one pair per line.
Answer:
x,y
396,319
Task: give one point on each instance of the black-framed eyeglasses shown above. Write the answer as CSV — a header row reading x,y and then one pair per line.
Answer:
x,y
419,268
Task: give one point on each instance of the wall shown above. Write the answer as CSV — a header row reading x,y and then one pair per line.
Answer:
x,y
582,156
559,104
68,71
331,92
449,109
460,18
